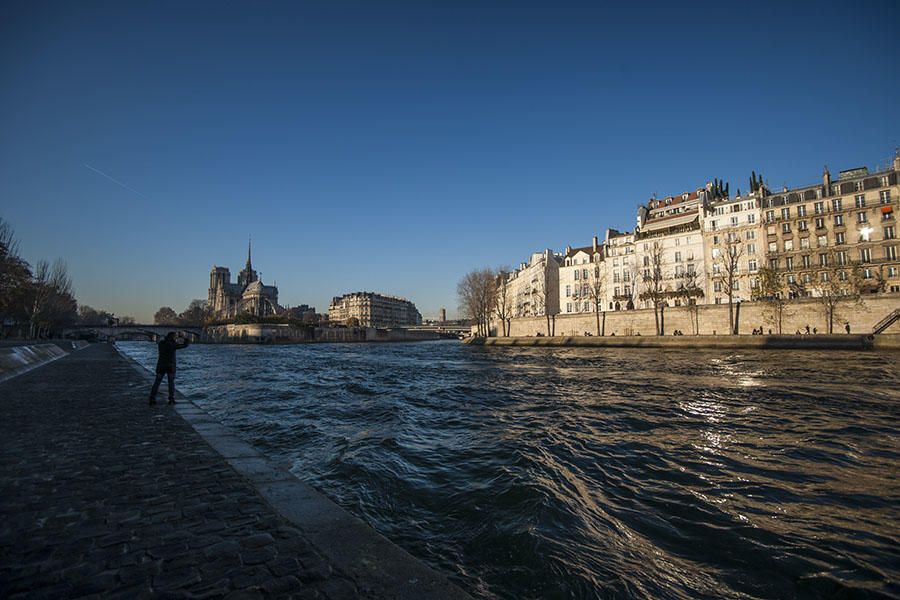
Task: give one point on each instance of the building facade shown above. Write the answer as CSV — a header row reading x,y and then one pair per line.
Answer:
x,y
374,310
582,279
671,269
621,270
532,290
248,295
844,227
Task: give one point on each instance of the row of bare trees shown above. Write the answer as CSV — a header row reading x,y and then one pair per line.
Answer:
x,y
34,303
195,315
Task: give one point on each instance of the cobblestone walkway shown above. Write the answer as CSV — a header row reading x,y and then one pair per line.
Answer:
x,y
103,496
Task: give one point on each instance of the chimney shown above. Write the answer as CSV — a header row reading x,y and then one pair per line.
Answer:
x,y
568,249
595,243
897,159
826,180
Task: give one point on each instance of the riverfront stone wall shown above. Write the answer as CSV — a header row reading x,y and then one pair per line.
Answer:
x,y
288,334
713,319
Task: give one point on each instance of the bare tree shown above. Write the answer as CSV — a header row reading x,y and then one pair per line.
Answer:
x,y
504,305
653,278
50,302
771,293
726,255
689,292
839,283
165,316
15,279
596,291
477,293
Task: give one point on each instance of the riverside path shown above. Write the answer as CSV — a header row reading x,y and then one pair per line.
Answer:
x,y
103,496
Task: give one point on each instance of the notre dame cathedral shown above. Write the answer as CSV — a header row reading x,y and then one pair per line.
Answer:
x,y
248,295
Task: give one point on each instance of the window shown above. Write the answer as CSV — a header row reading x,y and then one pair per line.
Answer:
x,y
626,276
679,270
646,261
824,275
857,186
736,285
807,278
890,252
751,248
860,201
717,286
836,204
861,217
734,221
577,274
715,252
821,241
867,273
568,307
717,269
820,223
804,260
819,208
889,233
584,273
678,257
733,237
770,216
773,247
801,225
884,196
865,255
751,235
773,263
839,238
887,212
842,276
841,257
823,260
751,218
789,263
804,243
801,211
785,213
569,292
715,240
578,307
892,271
838,220
616,277
785,228
788,245
752,265
690,269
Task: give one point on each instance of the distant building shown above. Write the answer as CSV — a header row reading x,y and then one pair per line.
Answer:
x,y
533,289
582,279
442,315
374,310
248,295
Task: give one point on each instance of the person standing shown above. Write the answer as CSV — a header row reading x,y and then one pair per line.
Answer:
x,y
165,365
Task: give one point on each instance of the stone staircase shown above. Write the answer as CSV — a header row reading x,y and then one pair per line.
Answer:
x,y
886,322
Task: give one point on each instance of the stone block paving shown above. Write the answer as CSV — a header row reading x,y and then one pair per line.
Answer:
x,y
102,496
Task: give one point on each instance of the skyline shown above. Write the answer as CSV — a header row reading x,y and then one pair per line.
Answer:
x,y
395,150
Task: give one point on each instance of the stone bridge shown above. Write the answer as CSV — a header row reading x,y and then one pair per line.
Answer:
x,y
152,332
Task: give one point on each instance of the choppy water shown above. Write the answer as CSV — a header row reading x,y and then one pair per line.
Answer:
x,y
588,473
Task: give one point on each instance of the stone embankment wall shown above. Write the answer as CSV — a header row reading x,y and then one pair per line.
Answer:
x,y
713,319
288,334
17,359
731,342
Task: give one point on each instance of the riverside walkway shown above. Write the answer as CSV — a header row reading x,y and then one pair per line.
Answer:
x,y
104,496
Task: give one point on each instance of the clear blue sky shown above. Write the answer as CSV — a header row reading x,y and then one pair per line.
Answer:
x,y
392,147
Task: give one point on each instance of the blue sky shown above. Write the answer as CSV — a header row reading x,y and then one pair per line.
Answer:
x,y
393,147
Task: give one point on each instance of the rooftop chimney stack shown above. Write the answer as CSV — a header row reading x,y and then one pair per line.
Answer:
x,y
826,180
595,244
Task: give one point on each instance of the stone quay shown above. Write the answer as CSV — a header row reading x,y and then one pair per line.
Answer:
x,y
103,496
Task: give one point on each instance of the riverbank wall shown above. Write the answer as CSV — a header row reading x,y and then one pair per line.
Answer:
x,y
19,356
289,334
725,342
712,319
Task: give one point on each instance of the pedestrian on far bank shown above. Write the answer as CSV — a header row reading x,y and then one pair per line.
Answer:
x,y
165,365
847,327
807,330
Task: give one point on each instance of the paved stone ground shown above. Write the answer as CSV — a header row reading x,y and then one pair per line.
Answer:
x,y
103,496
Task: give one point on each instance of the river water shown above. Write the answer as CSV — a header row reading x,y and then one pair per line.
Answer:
x,y
588,472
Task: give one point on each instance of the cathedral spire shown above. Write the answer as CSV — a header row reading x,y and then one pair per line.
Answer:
x,y
249,267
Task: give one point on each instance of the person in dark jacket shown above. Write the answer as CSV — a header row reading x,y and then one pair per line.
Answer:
x,y
165,365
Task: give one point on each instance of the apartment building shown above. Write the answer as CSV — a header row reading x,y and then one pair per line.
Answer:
x,y
847,222
669,250
533,289
582,279
621,270
733,238
374,310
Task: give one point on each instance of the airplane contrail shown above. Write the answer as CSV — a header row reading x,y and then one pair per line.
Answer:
x,y
116,181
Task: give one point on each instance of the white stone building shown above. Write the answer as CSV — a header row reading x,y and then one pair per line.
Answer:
x,y
668,231
582,275
533,288
620,270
